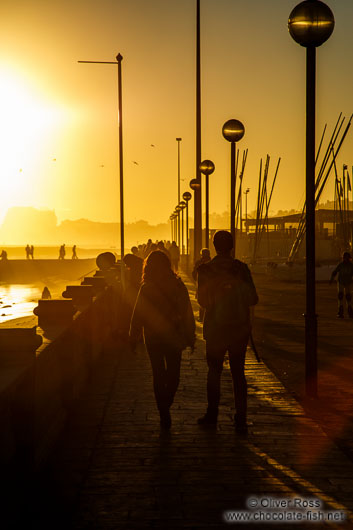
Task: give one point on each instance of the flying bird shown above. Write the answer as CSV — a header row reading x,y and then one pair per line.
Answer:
x,y
102,165
152,145
136,163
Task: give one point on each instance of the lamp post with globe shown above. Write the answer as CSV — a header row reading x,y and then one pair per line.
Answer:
x,y
195,185
187,197
310,24
182,206
233,131
207,167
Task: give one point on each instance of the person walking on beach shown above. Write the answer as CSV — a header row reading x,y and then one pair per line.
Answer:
x,y
174,252
28,251
227,292
345,275
163,312
205,258
32,251
74,253
62,252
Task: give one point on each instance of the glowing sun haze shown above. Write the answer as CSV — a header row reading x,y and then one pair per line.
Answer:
x,y
58,128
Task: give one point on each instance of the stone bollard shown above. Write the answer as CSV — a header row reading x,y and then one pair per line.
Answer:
x,y
54,312
81,294
97,282
18,340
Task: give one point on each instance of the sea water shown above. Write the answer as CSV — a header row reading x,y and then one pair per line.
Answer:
x,y
18,300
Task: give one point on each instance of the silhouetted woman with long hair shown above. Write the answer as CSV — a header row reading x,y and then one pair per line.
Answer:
x,y
163,311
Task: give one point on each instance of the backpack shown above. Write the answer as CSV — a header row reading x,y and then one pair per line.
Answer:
x,y
229,303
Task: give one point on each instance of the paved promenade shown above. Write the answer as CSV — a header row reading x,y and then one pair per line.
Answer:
x,y
113,469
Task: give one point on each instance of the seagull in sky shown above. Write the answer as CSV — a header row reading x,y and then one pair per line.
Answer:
x,y
136,163
152,145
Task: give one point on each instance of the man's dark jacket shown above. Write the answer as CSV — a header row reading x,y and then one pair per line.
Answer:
x,y
209,275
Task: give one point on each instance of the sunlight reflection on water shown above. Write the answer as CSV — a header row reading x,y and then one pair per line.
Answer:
x,y
18,301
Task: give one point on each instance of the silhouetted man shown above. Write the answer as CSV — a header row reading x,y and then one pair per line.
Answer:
x,y
344,280
205,258
227,292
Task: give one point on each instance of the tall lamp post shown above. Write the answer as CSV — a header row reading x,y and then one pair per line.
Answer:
x,y
171,218
182,206
187,197
207,167
233,131
246,209
178,140
119,58
177,211
195,185
197,194
310,24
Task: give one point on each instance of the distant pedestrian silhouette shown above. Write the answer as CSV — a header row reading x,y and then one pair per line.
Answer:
x,y
3,255
28,251
62,252
163,312
160,246
74,254
344,280
46,294
32,251
174,255
227,292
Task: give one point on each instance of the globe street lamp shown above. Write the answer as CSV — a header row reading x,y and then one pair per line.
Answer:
x,y
187,197
195,185
182,206
207,167
233,131
171,218
177,211
310,24
175,235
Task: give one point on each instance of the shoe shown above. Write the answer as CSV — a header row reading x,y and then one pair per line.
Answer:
x,y
166,420
240,425
208,419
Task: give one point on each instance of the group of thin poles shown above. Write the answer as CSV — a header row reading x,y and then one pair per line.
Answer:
x,y
264,196
328,162
238,195
341,206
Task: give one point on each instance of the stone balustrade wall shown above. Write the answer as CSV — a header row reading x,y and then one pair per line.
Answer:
x,y
43,372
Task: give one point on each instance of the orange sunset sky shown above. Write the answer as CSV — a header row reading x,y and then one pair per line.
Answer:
x,y
58,127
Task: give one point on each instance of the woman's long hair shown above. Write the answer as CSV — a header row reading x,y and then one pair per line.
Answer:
x,y
157,268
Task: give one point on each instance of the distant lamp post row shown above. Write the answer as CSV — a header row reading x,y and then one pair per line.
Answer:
x,y
310,24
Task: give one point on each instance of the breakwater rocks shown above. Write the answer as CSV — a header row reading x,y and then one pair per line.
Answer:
x,y
27,271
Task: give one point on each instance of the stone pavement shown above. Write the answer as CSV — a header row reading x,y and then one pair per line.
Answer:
x,y
113,469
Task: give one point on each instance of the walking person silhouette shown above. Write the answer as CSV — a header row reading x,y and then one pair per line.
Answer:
x,y
227,292
163,312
